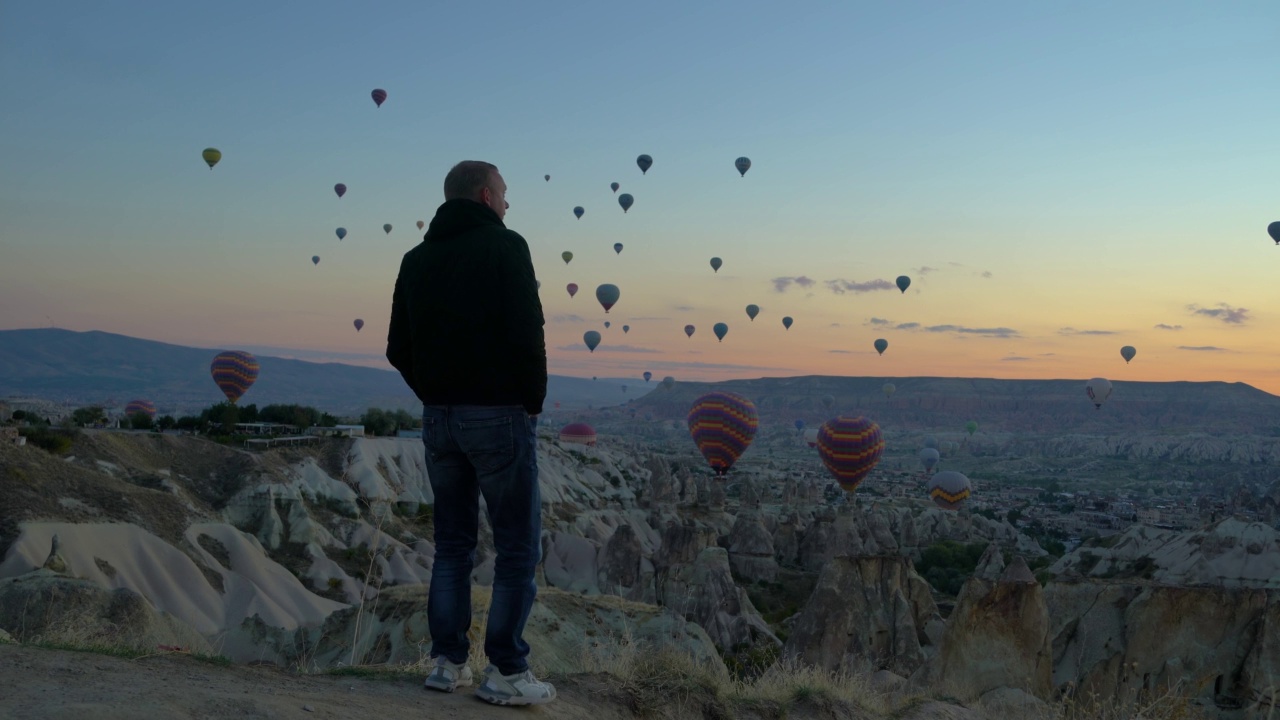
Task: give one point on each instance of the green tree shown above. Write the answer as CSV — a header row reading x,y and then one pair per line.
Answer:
x,y
1013,516
378,422
86,415
141,421
166,422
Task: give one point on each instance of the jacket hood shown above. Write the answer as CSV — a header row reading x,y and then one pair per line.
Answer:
x,y
456,217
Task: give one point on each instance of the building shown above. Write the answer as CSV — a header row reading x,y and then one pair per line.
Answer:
x,y
337,431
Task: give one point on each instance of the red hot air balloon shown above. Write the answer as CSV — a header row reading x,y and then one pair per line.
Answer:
x,y
723,425
580,433
340,189
379,96
141,406
850,447
234,371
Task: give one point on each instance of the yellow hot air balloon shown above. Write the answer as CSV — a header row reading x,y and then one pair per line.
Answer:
x,y
211,156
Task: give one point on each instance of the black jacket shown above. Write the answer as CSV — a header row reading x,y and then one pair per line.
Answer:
x,y
466,320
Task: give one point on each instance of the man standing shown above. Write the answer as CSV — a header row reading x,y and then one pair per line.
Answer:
x,y
466,334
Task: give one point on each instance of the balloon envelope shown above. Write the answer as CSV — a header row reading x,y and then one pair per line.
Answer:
x,y
547,178
580,433
340,232
850,447
929,457
379,96
421,224
315,259
626,329
572,288
606,324
716,263
882,345
608,294
688,330
647,375
645,162
213,155
578,211
1273,229
140,406
387,228
1098,390
340,189
828,401
359,324
617,248
566,256
971,427
889,389
743,164
903,282
1128,352
592,339
931,442
626,201
753,311
799,424
786,322
234,372
614,187
722,425
949,489
720,329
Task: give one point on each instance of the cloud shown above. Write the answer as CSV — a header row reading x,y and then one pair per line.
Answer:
x,y
986,274
639,319
842,352
604,347
879,321
996,332
924,270
1073,331
1203,348
1047,354
1014,358
567,318
907,326
1163,326
840,287
782,283
684,308
1223,312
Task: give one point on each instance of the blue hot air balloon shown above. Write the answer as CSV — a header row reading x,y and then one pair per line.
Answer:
x,y
720,329
617,248
592,339
786,322
578,211
645,162
743,164
614,187
647,375
626,201
340,232
753,311
903,282
882,345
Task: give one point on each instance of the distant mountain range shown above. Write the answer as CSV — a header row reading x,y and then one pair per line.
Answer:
x,y
81,368
96,367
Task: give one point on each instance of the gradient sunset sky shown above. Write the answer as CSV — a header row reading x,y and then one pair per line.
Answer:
x,y
1058,180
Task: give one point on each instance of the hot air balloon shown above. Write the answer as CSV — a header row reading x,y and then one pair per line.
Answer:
x,y
234,372
889,389
315,259
145,407
557,404
626,329
668,382
579,433
379,96
547,178
421,224
722,425
606,324
647,375
572,288
1098,389
811,437
720,329
213,155
645,162
931,442
359,324
614,187
617,248
949,489
566,256
340,189
626,201
929,457
753,311
903,282
578,212
716,263
786,322
971,427
828,401
386,228
688,330
608,294
592,339
1127,352
624,388
882,345
1273,229
340,232
850,447
743,164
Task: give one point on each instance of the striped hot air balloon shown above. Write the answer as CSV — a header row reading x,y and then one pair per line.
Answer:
x,y
949,489
850,447
722,425
234,371
580,433
141,406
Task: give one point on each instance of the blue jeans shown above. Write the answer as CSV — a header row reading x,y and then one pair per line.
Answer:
x,y
474,449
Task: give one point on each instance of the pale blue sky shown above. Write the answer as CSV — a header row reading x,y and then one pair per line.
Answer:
x,y
1109,164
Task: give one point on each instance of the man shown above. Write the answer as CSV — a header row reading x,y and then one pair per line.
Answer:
x,y
466,334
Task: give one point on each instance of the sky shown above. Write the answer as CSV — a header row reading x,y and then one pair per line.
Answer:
x,y
1057,180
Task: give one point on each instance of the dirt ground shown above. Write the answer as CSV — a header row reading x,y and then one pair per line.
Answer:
x,y
66,685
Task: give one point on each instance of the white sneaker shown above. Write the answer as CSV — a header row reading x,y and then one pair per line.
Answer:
x,y
518,689
447,676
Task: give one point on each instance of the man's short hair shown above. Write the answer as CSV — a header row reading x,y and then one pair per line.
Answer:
x,y
467,178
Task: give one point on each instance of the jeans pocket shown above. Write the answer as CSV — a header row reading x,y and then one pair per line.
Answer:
x,y
434,436
488,442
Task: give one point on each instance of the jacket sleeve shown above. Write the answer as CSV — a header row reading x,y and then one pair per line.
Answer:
x,y
526,328
399,337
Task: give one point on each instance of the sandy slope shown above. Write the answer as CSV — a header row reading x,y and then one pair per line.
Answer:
x,y
56,684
